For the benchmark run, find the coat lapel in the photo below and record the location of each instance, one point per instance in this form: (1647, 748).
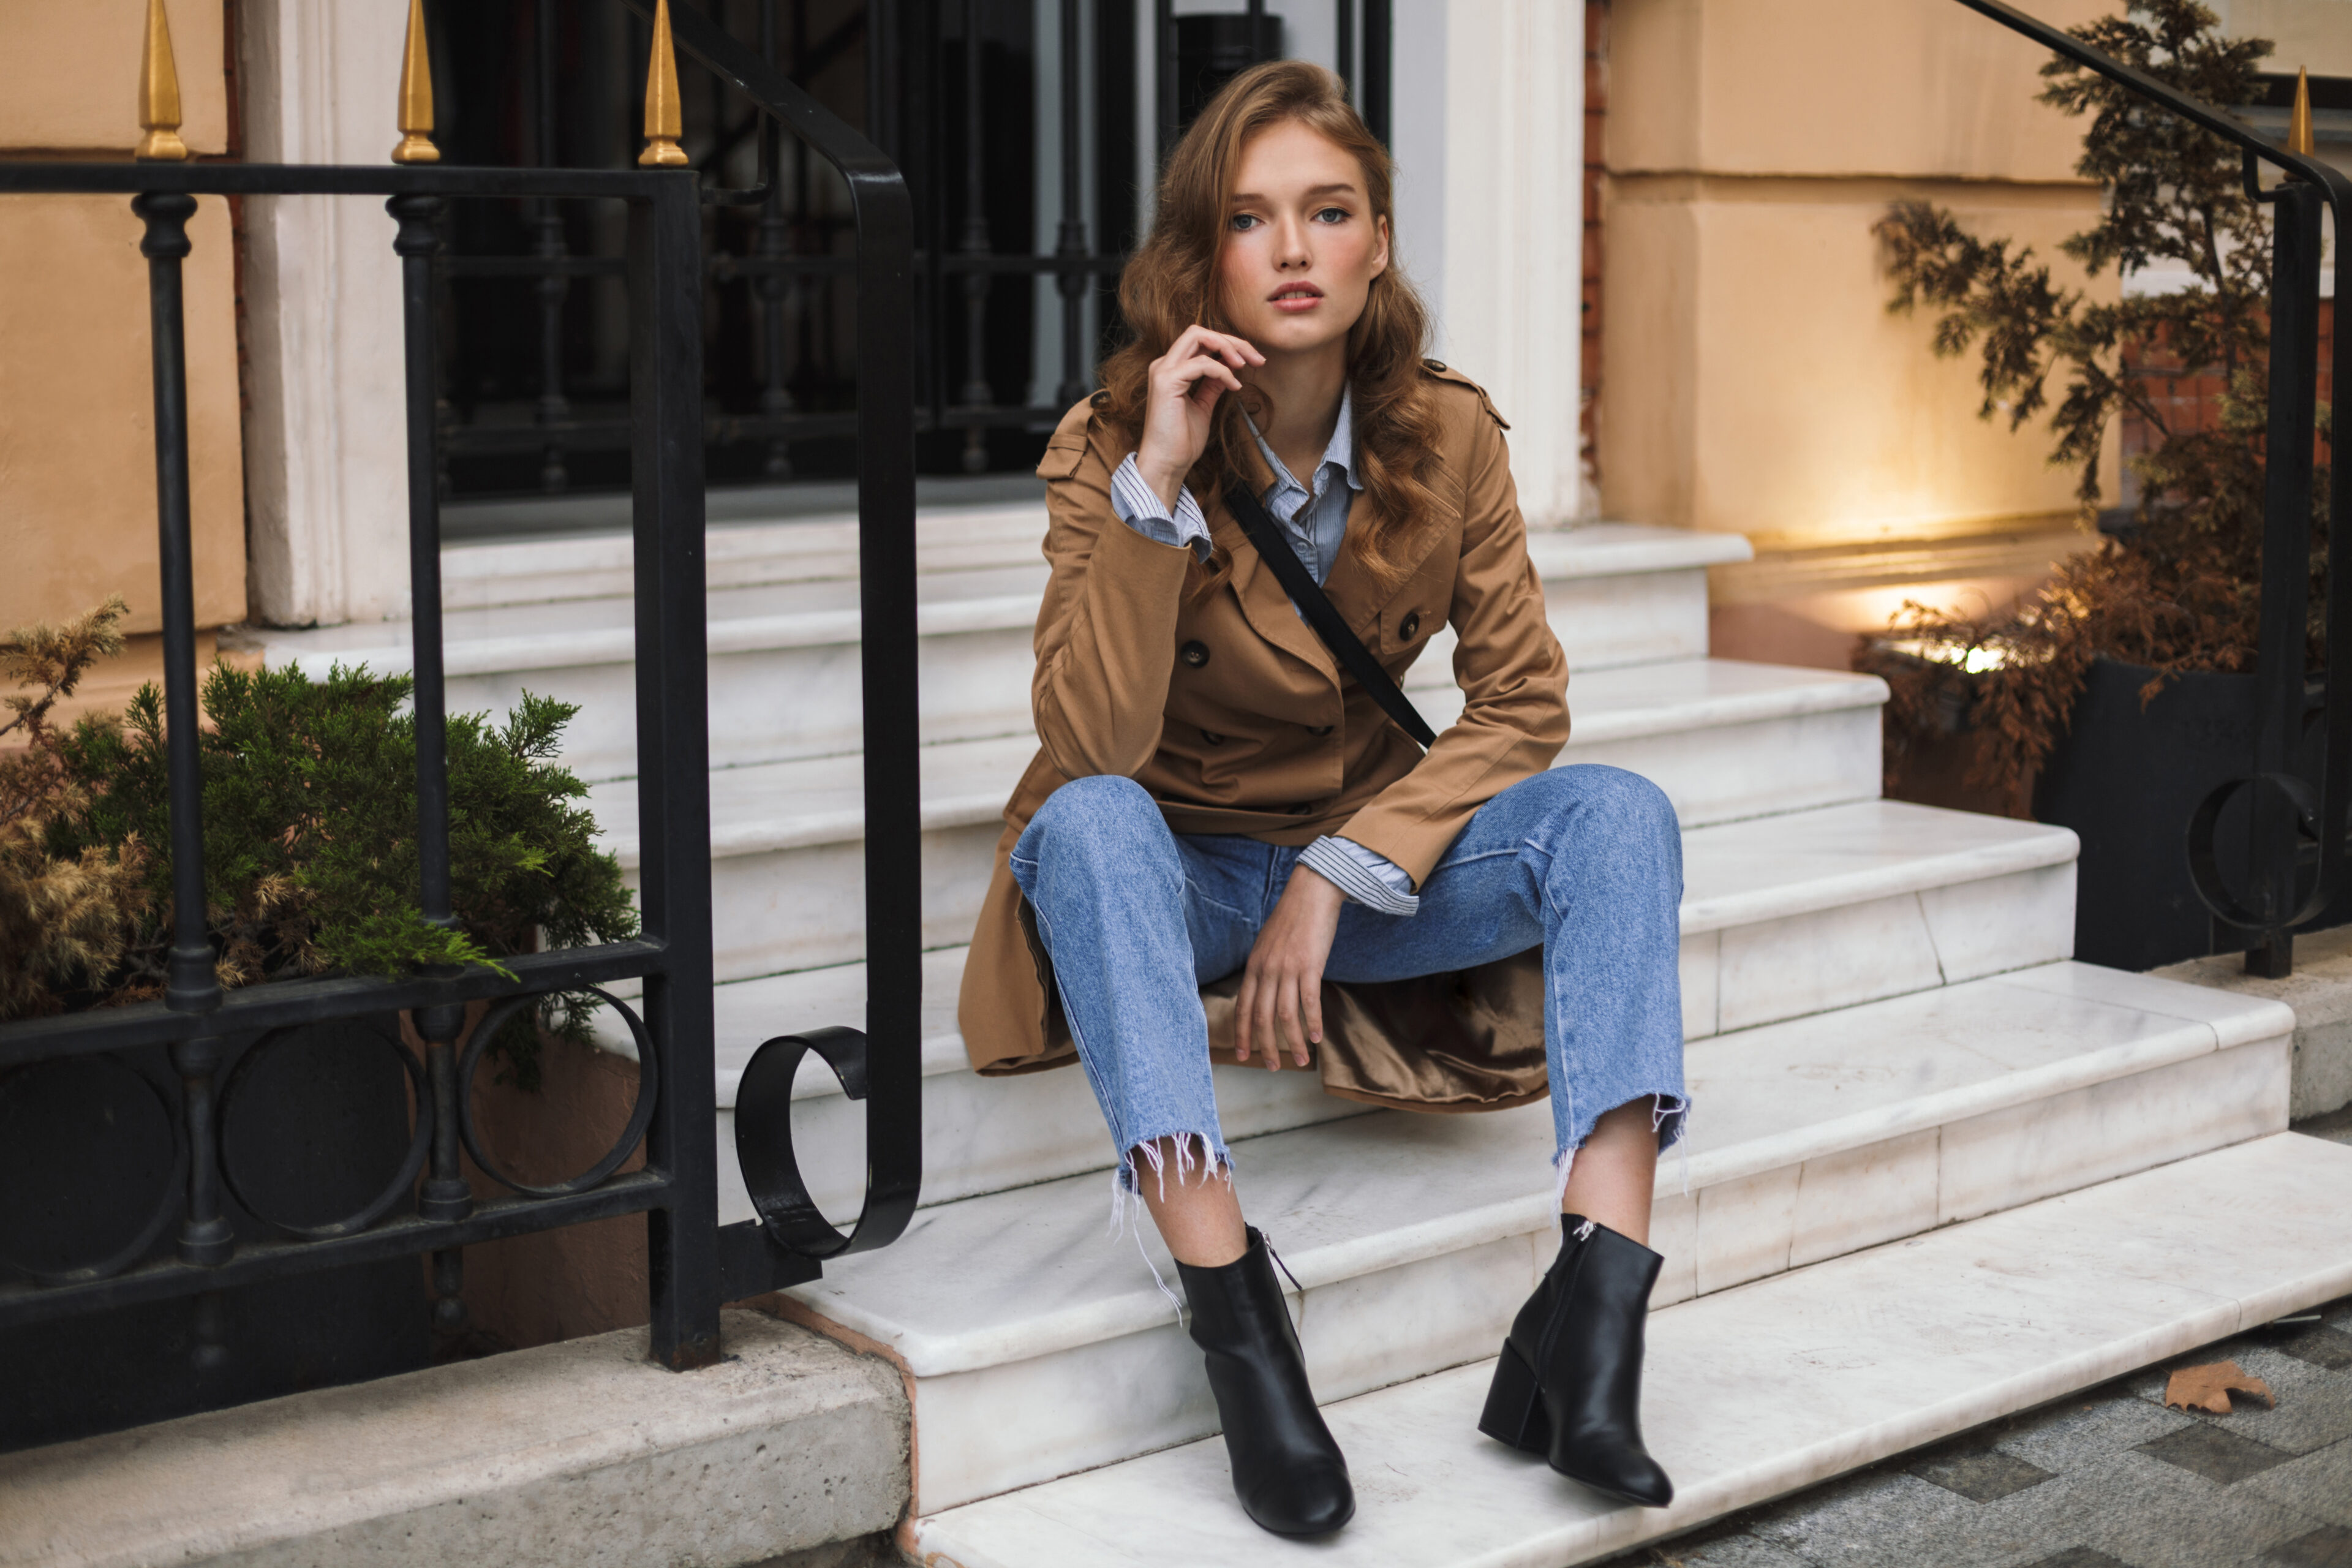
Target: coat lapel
(1264, 604)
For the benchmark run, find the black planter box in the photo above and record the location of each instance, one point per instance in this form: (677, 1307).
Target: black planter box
(313, 1132)
(2126, 780)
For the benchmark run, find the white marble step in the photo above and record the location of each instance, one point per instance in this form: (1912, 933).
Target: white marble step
(1416, 1236)
(1755, 1393)
(784, 627)
(1724, 740)
(1781, 917)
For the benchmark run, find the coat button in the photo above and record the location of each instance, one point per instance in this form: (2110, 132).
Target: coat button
(1319, 729)
(1304, 808)
(1411, 625)
(1195, 654)
(1213, 737)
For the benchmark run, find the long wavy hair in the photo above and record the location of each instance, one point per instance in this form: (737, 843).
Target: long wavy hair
(1172, 283)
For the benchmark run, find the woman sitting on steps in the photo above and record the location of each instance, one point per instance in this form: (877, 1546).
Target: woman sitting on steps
(1226, 848)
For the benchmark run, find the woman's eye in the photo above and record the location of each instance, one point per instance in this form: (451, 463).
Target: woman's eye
(1243, 222)
(1332, 214)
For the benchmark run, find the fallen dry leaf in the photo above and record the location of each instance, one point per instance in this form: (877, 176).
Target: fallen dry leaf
(2208, 1387)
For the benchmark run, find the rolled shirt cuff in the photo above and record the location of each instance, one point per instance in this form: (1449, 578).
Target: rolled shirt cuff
(1139, 507)
(1372, 880)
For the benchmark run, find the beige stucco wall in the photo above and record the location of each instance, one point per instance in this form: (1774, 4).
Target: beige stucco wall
(2315, 35)
(1753, 380)
(70, 74)
(77, 425)
(77, 415)
(1756, 384)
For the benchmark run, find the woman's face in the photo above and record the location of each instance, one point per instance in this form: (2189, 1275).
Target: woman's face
(1301, 245)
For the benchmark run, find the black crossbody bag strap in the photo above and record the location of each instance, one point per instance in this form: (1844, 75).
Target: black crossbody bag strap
(1353, 655)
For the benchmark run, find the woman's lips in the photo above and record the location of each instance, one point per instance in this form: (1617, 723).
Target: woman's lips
(1297, 301)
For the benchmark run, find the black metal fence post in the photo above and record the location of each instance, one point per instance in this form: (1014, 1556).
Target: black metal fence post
(976, 392)
(190, 985)
(673, 745)
(1379, 82)
(771, 245)
(2286, 568)
(1070, 240)
(446, 1194)
(547, 226)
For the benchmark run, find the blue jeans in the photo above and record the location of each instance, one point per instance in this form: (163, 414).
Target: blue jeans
(1584, 862)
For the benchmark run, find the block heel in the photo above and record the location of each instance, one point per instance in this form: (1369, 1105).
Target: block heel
(1515, 1408)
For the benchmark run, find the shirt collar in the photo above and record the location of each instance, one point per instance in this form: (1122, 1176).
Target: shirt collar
(1340, 449)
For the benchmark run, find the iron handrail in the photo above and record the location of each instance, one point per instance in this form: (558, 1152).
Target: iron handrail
(2284, 803)
(890, 1075)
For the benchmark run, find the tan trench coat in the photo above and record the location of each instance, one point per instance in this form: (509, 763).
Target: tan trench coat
(1227, 707)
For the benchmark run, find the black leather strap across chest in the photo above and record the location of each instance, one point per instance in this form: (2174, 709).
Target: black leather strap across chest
(1354, 658)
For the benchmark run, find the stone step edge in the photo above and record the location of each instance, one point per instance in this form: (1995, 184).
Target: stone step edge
(500, 1459)
(1142, 1308)
(2171, 1200)
(1603, 549)
(966, 808)
(493, 655)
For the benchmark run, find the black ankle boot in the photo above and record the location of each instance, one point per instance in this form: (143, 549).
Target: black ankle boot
(1288, 1472)
(1568, 1385)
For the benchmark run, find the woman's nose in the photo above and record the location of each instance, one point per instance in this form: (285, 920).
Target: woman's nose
(1291, 250)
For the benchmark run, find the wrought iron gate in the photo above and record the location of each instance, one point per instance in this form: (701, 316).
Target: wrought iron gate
(187, 1247)
(1029, 133)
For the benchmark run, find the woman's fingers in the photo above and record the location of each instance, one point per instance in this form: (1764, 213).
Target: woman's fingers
(1291, 1008)
(1253, 1028)
(1242, 1017)
(1194, 340)
(1188, 375)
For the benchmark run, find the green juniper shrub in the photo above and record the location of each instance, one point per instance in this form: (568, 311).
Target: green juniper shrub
(61, 916)
(310, 860)
(2180, 588)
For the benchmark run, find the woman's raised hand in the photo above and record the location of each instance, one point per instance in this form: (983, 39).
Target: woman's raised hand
(1185, 384)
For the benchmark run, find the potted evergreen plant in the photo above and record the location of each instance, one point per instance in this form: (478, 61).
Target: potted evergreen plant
(2118, 696)
(309, 807)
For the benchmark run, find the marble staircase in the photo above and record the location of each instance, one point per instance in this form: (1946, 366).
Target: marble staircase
(1904, 1087)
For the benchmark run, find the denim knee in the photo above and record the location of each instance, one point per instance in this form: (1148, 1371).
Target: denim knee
(1105, 819)
(1623, 807)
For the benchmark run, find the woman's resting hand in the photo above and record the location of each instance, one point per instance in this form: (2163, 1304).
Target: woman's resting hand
(1184, 385)
(1281, 1000)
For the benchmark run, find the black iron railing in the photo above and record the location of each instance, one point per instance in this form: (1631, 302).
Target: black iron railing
(211, 1034)
(2295, 865)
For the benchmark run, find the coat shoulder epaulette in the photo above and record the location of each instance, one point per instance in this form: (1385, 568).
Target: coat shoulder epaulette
(1438, 369)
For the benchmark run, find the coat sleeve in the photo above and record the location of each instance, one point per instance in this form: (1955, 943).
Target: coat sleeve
(1513, 674)
(1106, 631)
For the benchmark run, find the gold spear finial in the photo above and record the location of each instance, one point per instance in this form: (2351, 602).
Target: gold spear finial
(664, 124)
(2298, 127)
(159, 93)
(415, 95)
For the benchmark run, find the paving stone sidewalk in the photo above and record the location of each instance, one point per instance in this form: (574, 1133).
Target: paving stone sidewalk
(2107, 1478)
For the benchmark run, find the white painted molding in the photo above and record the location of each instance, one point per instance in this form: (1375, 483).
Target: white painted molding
(1513, 281)
(325, 449)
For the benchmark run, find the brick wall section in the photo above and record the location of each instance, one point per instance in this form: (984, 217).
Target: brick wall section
(1596, 124)
(2192, 399)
